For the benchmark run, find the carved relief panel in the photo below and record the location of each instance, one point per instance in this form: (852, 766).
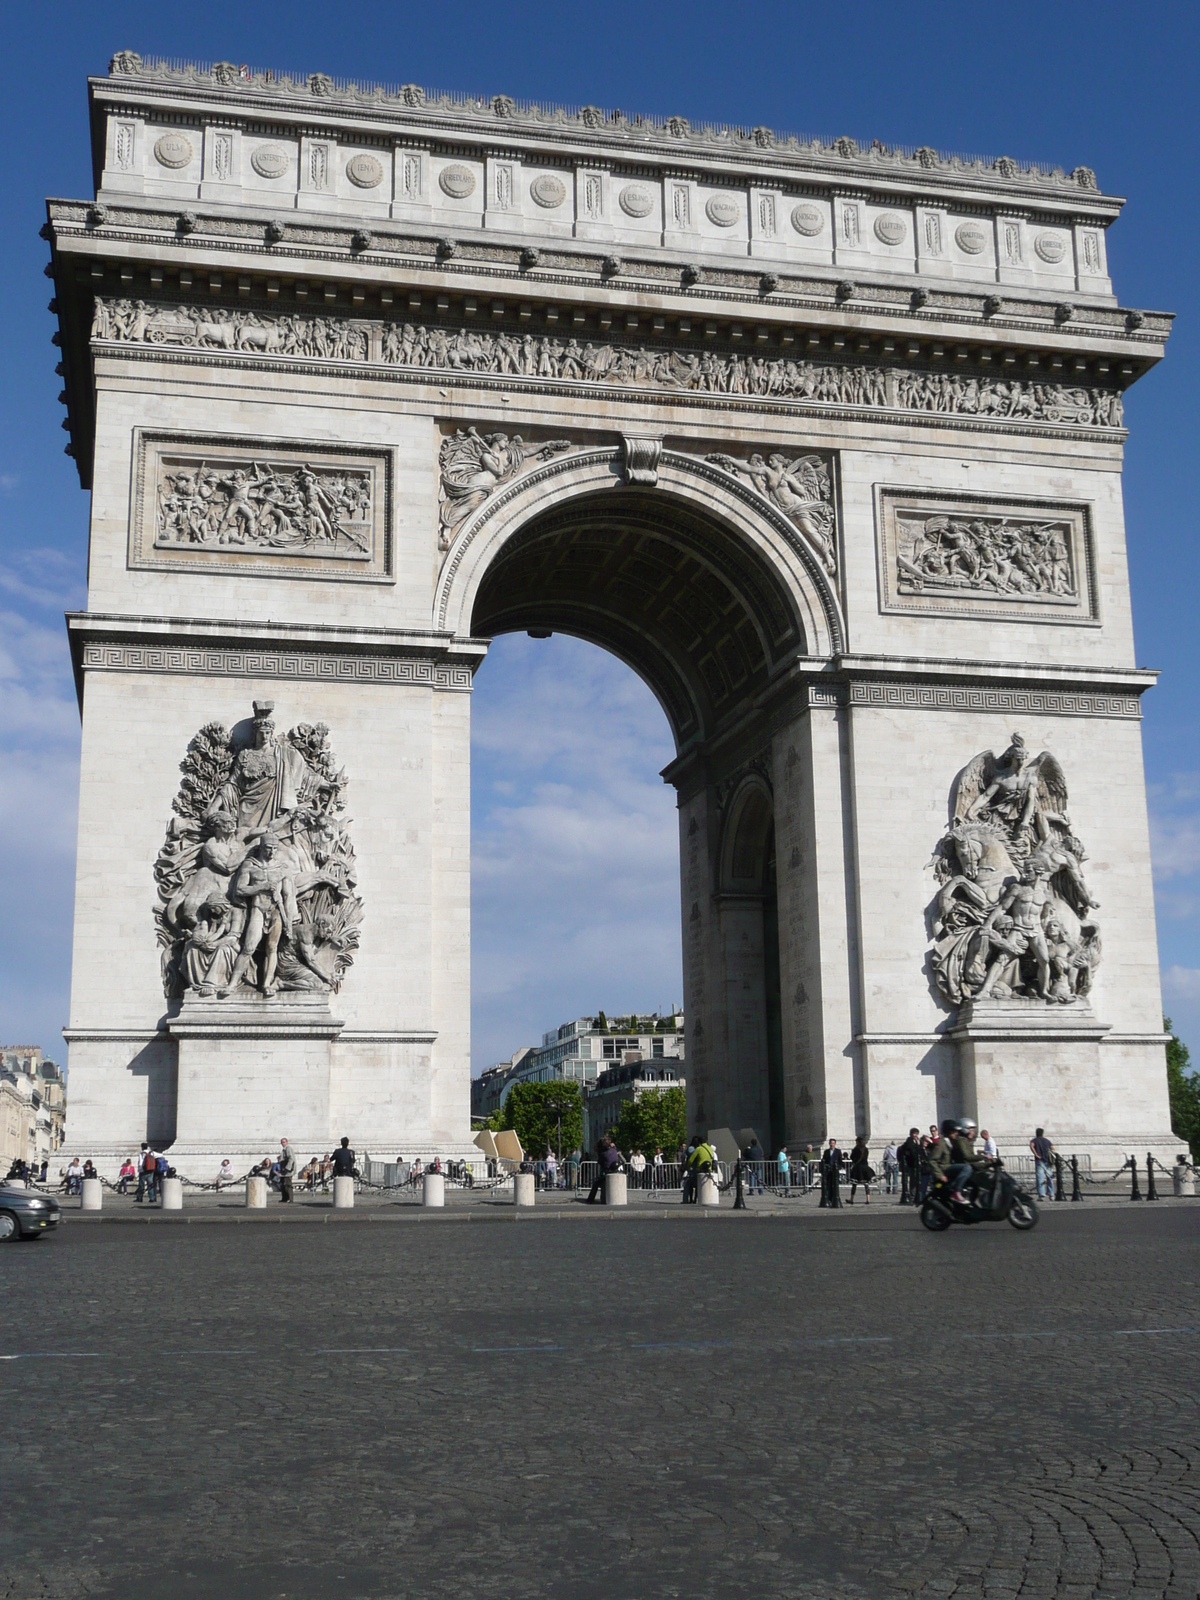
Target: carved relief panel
(268, 508)
(966, 555)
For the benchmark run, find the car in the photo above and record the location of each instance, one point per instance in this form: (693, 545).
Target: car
(26, 1213)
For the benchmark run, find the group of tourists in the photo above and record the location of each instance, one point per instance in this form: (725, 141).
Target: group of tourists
(27, 1172)
(147, 1170)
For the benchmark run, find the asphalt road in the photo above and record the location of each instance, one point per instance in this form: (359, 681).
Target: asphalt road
(604, 1405)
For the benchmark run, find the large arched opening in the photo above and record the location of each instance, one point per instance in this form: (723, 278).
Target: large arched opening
(709, 602)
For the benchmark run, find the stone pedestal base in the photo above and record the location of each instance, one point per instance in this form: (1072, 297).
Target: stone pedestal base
(256, 1193)
(433, 1189)
(523, 1189)
(1025, 1065)
(614, 1190)
(92, 1195)
(343, 1194)
(1182, 1181)
(260, 1067)
(708, 1194)
(172, 1194)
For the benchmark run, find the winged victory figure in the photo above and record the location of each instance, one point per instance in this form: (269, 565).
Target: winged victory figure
(473, 465)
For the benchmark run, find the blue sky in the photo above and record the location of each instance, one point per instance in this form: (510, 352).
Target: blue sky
(574, 834)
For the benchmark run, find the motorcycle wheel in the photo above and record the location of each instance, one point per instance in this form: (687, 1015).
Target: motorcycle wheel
(934, 1218)
(1022, 1213)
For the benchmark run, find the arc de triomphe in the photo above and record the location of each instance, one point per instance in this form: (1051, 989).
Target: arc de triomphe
(824, 441)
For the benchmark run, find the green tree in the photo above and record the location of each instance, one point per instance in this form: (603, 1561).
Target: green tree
(545, 1116)
(656, 1118)
(601, 1022)
(1184, 1089)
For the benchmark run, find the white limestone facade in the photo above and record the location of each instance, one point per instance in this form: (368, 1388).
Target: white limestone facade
(358, 380)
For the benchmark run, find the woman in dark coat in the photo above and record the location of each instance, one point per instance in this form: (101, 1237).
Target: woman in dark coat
(861, 1170)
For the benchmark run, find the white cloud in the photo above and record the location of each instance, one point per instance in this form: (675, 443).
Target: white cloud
(1174, 846)
(1181, 983)
(575, 872)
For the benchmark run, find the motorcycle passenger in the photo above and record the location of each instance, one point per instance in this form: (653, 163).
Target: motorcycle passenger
(965, 1164)
(937, 1154)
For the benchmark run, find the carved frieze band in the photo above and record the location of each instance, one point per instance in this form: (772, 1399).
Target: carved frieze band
(527, 360)
(295, 664)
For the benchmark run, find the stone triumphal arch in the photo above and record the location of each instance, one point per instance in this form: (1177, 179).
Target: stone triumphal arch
(824, 442)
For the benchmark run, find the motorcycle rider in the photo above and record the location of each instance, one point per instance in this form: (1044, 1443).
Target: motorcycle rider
(966, 1164)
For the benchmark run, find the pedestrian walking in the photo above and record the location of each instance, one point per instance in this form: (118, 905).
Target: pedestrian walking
(343, 1161)
(1043, 1155)
(287, 1172)
(147, 1173)
(658, 1164)
(551, 1170)
(784, 1167)
(637, 1165)
(753, 1160)
(608, 1159)
(831, 1174)
(891, 1167)
(861, 1170)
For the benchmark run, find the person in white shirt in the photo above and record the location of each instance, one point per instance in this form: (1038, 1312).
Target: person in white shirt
(637, 1165)
(225, 1176)
(989, 1145)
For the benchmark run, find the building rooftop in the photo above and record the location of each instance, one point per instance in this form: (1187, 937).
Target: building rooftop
(835, 156)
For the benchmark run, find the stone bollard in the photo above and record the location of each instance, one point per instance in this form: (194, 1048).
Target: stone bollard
(256, 1193)
(433, 1189)
(709, 1194)
(172, 1194)
(343, 1194)
(615, 1190)
(1182, 1179)
(91, 1195)
(523, 1188)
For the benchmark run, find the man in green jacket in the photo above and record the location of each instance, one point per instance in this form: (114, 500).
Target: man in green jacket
(966, 1165)
(287, 1171)
(702, 1159)
(938, 1155)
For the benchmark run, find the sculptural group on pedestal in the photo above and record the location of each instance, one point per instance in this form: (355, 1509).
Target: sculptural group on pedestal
(256, 879)
(1013, 917)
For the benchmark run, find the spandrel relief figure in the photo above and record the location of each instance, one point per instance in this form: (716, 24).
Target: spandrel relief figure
(473, 465)
(797, 486)
(256, 879)
(1013, 915)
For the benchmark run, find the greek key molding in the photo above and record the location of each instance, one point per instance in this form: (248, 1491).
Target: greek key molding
(964, 697)
(403, 671)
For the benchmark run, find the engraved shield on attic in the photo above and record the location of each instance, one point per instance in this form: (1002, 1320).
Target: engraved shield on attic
(267, 508)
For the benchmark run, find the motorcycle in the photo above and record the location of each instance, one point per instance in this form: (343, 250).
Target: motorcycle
(1004, 1200)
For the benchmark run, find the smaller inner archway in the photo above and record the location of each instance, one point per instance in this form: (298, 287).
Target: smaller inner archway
(748, 914)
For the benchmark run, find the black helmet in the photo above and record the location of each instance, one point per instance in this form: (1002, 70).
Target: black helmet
(950, 1126)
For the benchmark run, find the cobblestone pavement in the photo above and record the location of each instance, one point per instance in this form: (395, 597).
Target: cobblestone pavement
(621, 1405)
